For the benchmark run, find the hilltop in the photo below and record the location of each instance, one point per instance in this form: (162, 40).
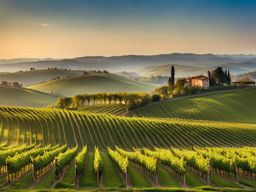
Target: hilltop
(11, 96)
(92, 83)
(32, 77)
(142, 64)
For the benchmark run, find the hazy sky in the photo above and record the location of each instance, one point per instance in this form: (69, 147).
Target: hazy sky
(70, 28)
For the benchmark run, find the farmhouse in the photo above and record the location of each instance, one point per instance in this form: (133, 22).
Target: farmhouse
(199, 81)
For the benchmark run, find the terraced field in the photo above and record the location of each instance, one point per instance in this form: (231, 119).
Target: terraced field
(235, 106)
(115, 109)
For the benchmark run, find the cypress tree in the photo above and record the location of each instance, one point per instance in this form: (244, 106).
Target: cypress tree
(173, 75)
(210, 78)
(229, 78)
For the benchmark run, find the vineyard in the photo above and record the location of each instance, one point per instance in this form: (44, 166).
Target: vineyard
(53, 126)
(198, 168)
(115, 109)
(235, 106)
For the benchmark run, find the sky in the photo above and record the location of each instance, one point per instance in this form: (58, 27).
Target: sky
(71, 28)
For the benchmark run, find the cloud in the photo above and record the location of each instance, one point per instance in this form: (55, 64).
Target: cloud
(44, 24)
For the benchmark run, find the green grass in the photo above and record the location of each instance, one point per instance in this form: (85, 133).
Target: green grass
(93, 83)
(166, 179)
(21, 183)
(38, 76)
(10, 96)
(137, 178)
(88, 179)
(223, 182)
(111, 177)
(70, 175)
(46, 181)
(193, 180)
(234, 106)
(247, 182)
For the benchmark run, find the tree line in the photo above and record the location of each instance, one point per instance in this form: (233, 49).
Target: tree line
(219, 77)
(131, 100)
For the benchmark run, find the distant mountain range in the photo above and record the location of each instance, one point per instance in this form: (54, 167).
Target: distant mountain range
(187, 64)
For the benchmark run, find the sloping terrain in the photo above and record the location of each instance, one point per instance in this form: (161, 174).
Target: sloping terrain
(10, 96)
(115, 109)
(52, 126)
(234, 106)
(37, 76)
(92, 83)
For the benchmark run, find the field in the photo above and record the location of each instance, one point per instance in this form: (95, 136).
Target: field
(92, 83)
(53, 126)
(117, 169)
(234, 106)
(115, 109)
(192, 163)
(10, 96)
(38, 76)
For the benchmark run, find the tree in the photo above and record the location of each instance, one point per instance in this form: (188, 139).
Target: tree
(210, 78)
(180, 83)
(171, 79)
(16, 84)
(173, 75)
(4, 83)
(156, 97)
(60, 103)
(67, 102)
(162, 91)
(78, 101)
(229, 78)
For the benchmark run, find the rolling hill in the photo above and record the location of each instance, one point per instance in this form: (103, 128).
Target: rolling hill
(92, 83)
(10, 96)
(235, 106)
(38, 76)
(114, 109)
(137, 63)
(53, 126)
(251, 75)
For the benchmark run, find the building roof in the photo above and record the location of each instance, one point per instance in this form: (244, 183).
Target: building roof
(200, 77)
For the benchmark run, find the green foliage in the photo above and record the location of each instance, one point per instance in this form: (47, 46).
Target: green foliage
(97, 162)
(44, 160)
(79, 161)
(17, 162)
(214, 120)
(167, 158)
(4, 154)
(121, 161)
(63, 159)
(234, 106)
(149, 163)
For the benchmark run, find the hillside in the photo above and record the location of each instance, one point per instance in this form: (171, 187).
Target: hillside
(115, 109)
(251, 75)
(92, 83)
(10, 96)
(236, 106)
(138, 63)
(52, 126)
(37, 76)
